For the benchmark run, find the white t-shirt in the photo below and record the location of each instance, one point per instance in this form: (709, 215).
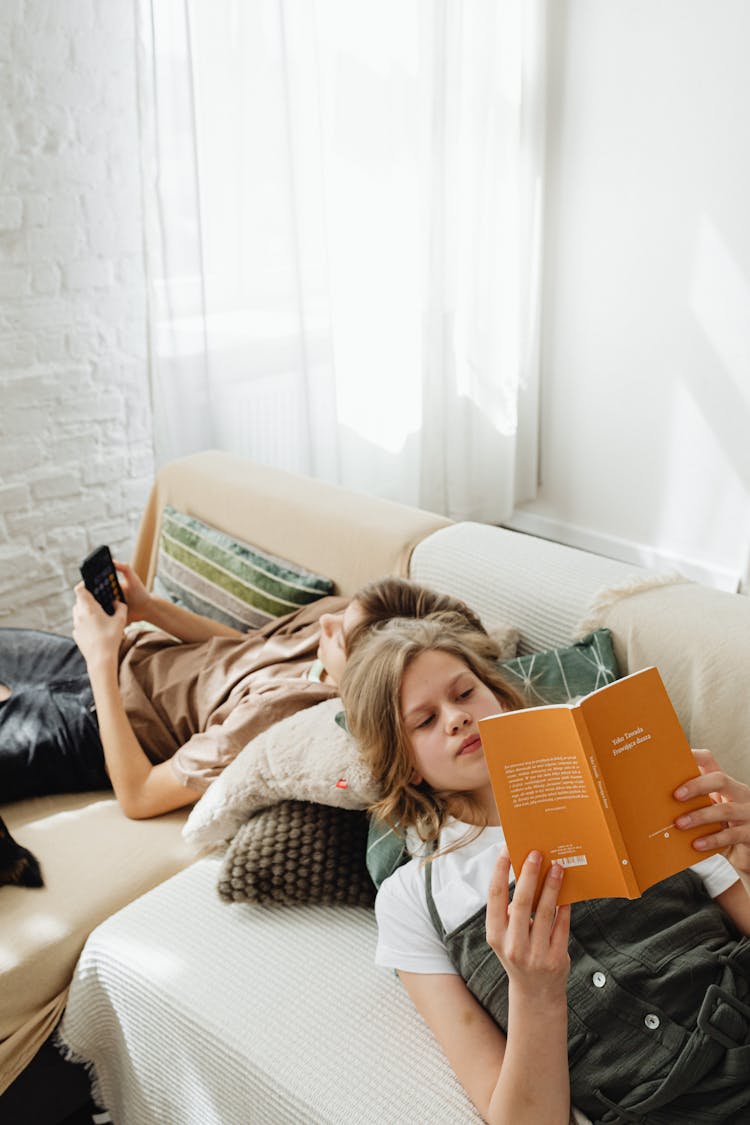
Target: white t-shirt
(407, 938)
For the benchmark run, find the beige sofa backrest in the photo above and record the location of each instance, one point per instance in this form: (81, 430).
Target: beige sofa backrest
(343, 535)
(541, 588)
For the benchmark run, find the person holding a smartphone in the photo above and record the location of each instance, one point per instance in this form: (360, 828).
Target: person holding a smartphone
(159, 712)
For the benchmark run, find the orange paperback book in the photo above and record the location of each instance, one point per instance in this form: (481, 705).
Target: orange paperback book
(590, 785)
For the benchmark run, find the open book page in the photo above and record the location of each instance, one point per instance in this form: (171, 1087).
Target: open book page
(548, 799)
(643, 756)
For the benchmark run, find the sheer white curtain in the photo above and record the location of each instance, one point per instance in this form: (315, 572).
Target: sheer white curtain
(342, 204)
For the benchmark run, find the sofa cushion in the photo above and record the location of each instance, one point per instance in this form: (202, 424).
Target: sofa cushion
(298, 852)
(216, 575)
(555, 676)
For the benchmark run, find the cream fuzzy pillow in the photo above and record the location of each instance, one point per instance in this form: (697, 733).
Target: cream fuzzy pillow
(305, 757)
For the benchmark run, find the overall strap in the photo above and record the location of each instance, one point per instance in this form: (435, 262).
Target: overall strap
(436, 919)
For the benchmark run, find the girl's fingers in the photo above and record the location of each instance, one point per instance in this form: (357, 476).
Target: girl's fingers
(497, 899)
(513, 923)
(728, 812)
(712, 780)
(729, 804)
(715, 782)
(523, 897)
(547, 904)
(724, 839)
(500, 878)
(705, 760)
(526, 883)
(560, 930)
(544, 915)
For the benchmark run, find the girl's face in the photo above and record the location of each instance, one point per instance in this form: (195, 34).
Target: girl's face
(441, 701)
(334, 629)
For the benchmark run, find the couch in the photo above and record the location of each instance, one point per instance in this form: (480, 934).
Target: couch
(187, 1008)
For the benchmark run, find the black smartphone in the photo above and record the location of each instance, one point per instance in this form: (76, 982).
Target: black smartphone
(100, 579)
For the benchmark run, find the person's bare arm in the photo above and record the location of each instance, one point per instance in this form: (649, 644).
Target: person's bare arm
(470, 1039)
(173, 619)
(142, 789)
(502, 1076)
(533, 949)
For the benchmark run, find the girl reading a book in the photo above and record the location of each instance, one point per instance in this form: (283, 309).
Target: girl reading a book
(634, 1011)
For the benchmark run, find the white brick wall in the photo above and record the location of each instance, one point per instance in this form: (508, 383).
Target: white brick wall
(75, 431)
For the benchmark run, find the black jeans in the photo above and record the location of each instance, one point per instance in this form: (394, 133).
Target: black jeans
(49, 736)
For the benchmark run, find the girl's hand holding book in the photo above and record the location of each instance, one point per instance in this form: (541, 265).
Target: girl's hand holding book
(532, 948)
(733, 799)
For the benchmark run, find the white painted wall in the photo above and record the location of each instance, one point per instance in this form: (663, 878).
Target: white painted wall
(75, 428)
(645, 430)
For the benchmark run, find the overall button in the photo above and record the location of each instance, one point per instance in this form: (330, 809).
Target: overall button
(599, 980)
(651, 1021)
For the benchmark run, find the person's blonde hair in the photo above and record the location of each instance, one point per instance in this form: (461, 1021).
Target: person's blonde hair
(390, 597)
(371, 694)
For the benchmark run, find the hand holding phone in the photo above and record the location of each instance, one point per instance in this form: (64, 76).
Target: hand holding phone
(100, 579)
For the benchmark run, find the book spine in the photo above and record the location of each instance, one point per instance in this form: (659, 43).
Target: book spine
(630, 883)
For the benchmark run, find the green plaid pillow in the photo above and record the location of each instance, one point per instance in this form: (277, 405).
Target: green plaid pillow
(213, 574)
(556, 676)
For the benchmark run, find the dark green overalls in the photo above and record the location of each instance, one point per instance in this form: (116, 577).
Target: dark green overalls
(658, 1004)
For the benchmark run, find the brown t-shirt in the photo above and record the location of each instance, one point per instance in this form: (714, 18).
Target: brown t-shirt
(199, 704)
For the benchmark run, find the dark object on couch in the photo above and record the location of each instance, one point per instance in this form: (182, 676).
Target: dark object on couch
(299, 852)
(17, 865)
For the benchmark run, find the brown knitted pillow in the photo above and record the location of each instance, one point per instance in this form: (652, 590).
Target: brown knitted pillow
(299, 852)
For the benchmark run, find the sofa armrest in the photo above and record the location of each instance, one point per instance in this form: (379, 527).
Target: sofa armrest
(699, 639)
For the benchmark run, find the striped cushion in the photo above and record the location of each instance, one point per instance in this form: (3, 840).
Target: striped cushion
(211, 573)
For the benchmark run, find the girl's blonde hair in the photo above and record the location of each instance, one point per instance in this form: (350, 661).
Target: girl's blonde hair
(371, 694)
